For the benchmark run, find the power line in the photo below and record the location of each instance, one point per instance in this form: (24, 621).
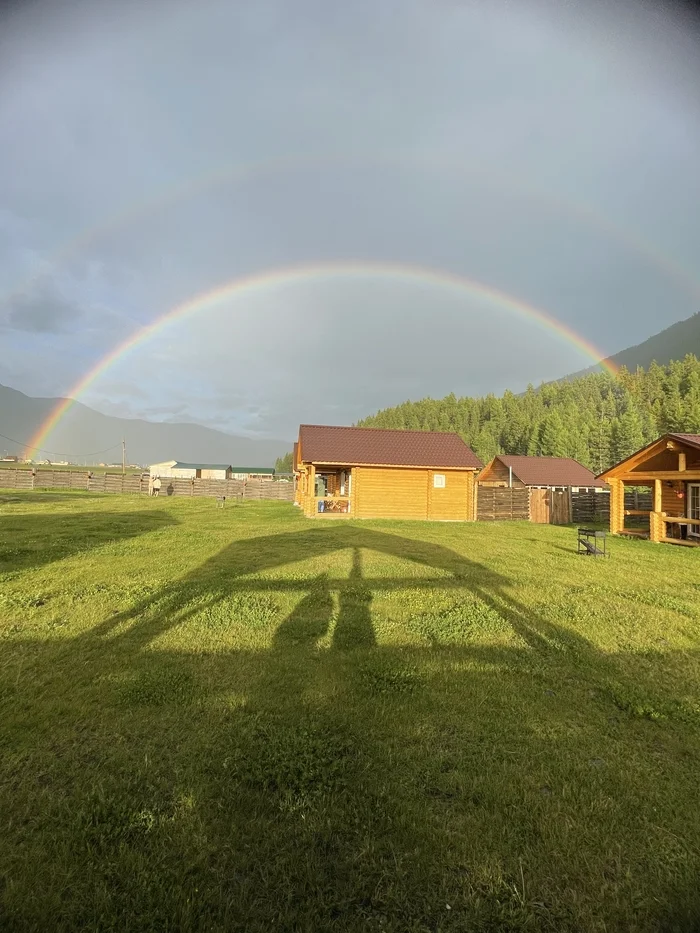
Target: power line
(54, 453)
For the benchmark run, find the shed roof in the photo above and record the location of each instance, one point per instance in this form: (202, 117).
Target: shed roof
(178, 465)
(550, 471)
(384, 447)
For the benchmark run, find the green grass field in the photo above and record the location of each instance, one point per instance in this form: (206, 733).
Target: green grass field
(239, 719)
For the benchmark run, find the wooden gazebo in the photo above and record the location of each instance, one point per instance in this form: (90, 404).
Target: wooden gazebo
(671, 467)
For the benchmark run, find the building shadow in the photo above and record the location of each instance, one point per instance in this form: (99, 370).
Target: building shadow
(332, 781)
(38, 496)
(310, 619)
(32, 539)
(354, 627)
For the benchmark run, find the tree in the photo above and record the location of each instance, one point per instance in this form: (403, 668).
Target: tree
(671, 417)
(485, 445)
(627, 435)
(553, 438)
(285, 464)
(600, 445)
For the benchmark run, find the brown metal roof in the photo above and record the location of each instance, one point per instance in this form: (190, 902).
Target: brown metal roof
(550, 471)
(381, 447)
(692, 439)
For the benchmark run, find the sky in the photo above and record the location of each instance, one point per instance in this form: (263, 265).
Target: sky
(154, 152)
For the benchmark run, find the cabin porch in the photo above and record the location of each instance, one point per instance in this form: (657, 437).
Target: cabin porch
(327, 492)
(675, 514)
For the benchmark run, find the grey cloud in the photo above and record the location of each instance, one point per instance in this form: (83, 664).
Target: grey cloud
(41, 313)
(545, 149)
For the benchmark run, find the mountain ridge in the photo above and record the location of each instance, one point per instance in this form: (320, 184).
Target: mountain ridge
(83, 431)
(671, 343)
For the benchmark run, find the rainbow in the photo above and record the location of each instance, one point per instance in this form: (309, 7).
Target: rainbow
(290, 275)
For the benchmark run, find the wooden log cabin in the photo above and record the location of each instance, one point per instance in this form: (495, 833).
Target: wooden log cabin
(549, 481)
(671, 467)
(376, 473)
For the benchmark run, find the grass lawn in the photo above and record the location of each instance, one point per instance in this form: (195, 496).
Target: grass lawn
(240, 719)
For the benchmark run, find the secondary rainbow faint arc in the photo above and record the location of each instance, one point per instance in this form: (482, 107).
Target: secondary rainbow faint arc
(290, 275)
(246, 170)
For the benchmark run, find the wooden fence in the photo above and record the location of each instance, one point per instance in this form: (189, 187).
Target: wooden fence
(498, 504)
(137, 484)
(504, 504)
(592, 507)
(595, 506)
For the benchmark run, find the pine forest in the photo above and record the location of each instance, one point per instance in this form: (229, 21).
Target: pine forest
(598, 419)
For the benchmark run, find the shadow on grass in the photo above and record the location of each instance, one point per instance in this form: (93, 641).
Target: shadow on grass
(40, 496)
(455, 786)
(33, 539)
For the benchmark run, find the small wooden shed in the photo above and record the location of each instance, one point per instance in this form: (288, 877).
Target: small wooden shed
(671, 467)
(549, 481)
(377, 473)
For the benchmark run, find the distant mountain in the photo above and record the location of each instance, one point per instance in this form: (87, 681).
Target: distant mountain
(671, 344)
(82, 431)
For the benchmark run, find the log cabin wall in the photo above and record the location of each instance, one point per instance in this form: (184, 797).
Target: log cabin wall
(407, 493)
(671, 503)
(384, 492)
(454, 501)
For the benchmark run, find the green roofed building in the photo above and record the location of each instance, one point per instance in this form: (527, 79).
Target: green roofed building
(176, 469)
(239, 472)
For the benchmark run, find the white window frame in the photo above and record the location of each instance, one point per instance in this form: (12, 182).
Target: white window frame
(439, 481)
(693, 530)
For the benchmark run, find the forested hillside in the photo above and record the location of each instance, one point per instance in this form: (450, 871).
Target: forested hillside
(598, 419)
(671, 344)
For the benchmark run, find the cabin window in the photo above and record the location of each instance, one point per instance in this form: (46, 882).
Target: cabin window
(438, 480)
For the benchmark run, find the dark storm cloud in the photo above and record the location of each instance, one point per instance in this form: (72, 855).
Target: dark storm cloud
(41, 313)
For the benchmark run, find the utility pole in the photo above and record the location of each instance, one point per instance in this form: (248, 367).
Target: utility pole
(123, 456)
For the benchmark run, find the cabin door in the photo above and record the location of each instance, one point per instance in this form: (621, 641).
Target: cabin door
(540, 510)
(694, 508)
(560, 510)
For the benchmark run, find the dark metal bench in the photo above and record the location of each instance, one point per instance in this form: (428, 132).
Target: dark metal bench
(592, 542)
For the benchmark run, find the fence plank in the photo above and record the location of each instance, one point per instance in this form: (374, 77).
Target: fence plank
(496, 503)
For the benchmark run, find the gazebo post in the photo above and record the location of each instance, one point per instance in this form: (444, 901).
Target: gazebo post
(656, 522)
(311, 492)
(617, 506)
